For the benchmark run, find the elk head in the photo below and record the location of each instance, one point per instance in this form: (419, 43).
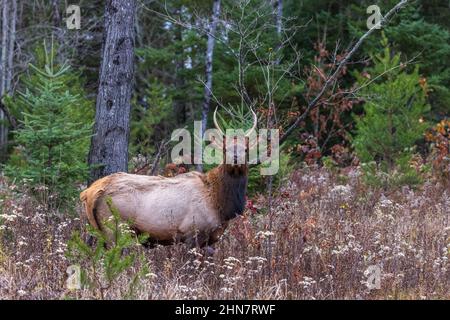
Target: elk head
(229, 180)
(235, 148)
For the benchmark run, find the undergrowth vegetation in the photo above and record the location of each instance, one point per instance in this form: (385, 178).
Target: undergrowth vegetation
(328, 228)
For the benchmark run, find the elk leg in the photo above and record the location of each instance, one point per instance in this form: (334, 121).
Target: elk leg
(196, 240)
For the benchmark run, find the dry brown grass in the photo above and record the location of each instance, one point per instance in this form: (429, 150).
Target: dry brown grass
(316, 244)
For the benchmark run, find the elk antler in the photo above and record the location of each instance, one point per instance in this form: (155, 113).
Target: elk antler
(255, 123)
(217, 124)
(247, 133)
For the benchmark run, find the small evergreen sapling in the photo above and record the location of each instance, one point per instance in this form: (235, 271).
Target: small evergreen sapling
(393, 121)
(113, 254)
(54, 131)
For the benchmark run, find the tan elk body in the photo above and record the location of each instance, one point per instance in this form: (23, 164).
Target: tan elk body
(193, 207)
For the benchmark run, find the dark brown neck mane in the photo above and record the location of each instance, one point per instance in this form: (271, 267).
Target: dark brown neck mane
(228, 186)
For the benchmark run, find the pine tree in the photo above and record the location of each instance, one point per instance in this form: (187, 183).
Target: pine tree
(53, 136)
(113, 254)
(395, 104)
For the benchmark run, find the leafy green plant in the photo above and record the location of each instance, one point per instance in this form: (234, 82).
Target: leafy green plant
(112, 255)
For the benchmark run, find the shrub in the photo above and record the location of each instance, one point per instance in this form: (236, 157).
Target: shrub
(395, 104)
(52, 140)
(111, 256)
(439, 139)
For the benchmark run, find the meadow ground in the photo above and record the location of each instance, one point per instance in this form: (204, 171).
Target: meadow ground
(319, 241)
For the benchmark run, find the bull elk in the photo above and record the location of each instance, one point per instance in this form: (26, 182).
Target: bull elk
(193, 207)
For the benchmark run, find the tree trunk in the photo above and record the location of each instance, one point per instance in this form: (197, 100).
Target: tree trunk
(209, 67)
(12, 40)
(109, 145)
(4, 51)
(56, 15)
(8, 27)
(279, 19)
(58, 30)
(179, 105)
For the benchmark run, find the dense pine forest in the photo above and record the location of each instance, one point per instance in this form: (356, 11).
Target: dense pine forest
(354, 95)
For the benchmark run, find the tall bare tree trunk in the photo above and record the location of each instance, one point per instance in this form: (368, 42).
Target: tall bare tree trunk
(209, 67)
(3, 71)
(279, 20)
(179, 101)
(58, 30)
(8, 26)
(56, 15)
(109, 146)
(12, 40)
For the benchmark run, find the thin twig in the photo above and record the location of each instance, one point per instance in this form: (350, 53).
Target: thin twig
(344, 62)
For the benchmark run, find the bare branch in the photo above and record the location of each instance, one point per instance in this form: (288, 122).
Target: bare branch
(344, 62)
(161, 149)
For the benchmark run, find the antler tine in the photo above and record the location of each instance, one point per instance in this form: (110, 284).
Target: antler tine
(255, 123)
(216, 124)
